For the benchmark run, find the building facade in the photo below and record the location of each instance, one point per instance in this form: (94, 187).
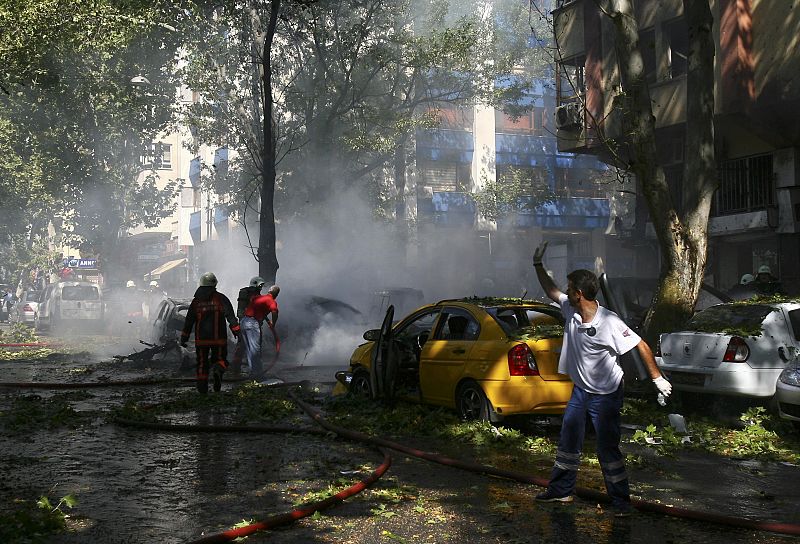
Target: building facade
(755, 217)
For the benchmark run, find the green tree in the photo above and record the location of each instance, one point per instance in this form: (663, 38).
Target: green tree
(72, 117)
(355, 79)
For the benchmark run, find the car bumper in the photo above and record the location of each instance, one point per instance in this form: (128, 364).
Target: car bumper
(788, 397)
(527, 395)
(734, 379)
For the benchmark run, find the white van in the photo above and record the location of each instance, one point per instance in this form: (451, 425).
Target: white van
(69, 303)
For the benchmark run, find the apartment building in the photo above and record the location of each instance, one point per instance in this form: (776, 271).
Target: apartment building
(478, 145)
(755, 218)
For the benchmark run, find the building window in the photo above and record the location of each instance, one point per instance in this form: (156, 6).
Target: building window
(745, 185)
(531, 122)
(158, 156)
(446, 176)
(578, 183)
(190, 197)
(571, 83)
(449, 116)
(676, 35)
(647, 46)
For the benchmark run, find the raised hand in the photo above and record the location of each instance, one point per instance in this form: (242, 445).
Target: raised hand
(538, 253)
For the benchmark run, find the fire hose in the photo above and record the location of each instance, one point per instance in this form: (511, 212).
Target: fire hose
(584, 493)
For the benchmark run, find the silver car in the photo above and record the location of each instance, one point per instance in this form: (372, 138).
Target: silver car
(26, 309)
(732, 349)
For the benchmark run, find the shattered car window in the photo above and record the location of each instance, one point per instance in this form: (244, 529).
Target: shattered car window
(515, 320)
(740, 319)
(79, 292)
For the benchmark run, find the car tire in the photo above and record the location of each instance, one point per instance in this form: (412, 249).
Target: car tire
(360, 385)
(471, 402)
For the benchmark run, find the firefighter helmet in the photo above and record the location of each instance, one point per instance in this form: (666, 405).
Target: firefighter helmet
(257, 281)
(208, 280)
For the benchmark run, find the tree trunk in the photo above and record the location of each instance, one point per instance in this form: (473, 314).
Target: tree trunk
(682, 240)
(267, 257)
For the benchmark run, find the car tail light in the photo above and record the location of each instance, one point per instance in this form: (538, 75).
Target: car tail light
(737, 351)
(27, 308)
(521, 361)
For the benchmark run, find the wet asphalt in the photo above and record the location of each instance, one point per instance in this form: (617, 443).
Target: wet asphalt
(134, 485)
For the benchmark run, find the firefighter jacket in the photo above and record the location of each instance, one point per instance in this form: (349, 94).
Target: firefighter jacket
(207, 315)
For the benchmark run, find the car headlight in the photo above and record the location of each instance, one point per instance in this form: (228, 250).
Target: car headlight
(791, 375)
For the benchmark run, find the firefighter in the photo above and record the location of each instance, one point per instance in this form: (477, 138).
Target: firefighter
(254, 315)
(246, 294)
(207, 314)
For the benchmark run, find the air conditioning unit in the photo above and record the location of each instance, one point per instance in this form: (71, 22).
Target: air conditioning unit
(569, 116)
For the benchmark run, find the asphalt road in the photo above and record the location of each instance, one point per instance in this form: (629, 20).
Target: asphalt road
(144, 486)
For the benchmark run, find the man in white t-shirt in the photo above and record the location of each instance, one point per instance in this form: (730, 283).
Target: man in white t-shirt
(594, 339)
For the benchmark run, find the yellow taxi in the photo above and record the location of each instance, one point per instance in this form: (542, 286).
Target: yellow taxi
(485, 357)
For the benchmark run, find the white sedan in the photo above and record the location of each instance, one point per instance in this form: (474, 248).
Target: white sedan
(735, 349)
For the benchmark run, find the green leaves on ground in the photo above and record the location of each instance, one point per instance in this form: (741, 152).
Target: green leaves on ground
(30, 522)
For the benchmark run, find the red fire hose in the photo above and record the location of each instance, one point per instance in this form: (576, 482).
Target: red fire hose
(280, 519)
(584, 493)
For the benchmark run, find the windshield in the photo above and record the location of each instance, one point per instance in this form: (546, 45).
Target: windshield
(79, 292)
(741, 319)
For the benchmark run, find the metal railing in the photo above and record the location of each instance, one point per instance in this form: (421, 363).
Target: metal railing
(745, 185)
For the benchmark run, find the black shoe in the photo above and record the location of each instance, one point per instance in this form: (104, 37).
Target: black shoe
(549, 496)
(623, 510)
(202, 387)
(216, 373)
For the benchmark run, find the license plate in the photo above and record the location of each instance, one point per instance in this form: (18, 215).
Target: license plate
(687, 378)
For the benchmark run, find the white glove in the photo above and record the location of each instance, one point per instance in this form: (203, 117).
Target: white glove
(664, 387)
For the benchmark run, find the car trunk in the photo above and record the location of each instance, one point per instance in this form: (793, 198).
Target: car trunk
(701, 350)
(546, 352)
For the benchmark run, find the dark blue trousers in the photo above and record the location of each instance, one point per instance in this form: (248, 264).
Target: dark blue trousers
(604, 410)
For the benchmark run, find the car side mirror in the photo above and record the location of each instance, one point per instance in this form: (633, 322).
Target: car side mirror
(423, 337)
(372, 335)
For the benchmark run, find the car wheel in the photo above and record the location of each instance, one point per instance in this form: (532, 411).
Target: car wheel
(471, 402)
(359, 385)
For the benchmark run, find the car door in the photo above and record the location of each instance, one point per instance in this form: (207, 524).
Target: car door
(446, 353)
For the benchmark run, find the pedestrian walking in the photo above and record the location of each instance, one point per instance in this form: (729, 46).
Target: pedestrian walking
(254, 315)
(594, 339)
(207, 314)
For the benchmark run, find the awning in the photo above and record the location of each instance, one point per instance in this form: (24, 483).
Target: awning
(166, 267)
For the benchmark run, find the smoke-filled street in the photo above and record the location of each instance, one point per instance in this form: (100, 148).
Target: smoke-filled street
(379, 271)
(138, 484)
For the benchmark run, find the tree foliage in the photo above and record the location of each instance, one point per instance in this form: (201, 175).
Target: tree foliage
(72, 127)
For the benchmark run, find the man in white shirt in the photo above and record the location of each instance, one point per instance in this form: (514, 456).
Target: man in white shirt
(594, 339)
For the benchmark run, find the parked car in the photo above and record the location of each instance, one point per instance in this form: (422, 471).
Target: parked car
(70, 303)
(630, 298)
(735, 349)
(787, 392)
(26, 308)
(486, 358)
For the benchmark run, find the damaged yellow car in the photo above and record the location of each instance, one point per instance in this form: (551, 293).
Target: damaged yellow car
(485, 357)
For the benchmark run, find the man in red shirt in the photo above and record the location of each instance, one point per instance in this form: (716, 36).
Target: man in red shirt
(254, 316)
